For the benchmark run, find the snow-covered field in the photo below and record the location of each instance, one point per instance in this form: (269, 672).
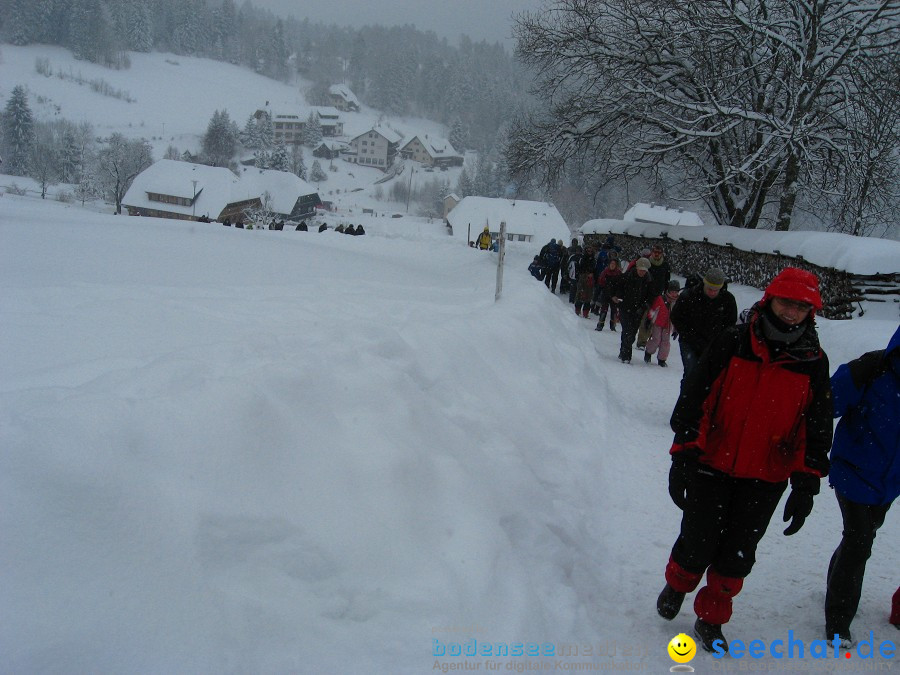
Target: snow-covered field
(228, 451)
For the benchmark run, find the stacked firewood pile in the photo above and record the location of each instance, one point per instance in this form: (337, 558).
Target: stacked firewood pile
(842, 292)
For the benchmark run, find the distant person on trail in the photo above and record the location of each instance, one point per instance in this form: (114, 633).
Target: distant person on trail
(865, 475)
(565, 282)
(483, 242)
(753, 414)
(606, 284)
(551, 256)
(323, 227)
(584, 281)
(632, 292)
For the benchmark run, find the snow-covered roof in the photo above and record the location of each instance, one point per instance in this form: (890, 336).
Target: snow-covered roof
(284, 187)
(170, 177)
(436, 146)
(216, 187)
(388, 133)
(856, 255)
(327, 112)
(540, 220)
(662, 215)
(344, 92)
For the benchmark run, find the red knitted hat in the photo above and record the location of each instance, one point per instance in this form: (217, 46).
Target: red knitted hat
(795, 284)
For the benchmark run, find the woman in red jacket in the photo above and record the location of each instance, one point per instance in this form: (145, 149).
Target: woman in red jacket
(754, 413)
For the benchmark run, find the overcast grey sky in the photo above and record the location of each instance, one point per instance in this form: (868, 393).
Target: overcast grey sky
(479, 19)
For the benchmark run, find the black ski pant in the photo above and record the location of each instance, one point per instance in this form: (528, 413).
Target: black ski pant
(723, 522)
(848, 563)
(631, 320)
(552, 278)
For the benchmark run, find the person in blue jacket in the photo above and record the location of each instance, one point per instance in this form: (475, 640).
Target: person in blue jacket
(865, 475)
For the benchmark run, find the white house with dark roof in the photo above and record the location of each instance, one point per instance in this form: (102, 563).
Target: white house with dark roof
(330, 120)
(343, 98)
(182, 190)
(527, 221)
(376, 147)
(430, 150)
(172, 189)
(662, 215)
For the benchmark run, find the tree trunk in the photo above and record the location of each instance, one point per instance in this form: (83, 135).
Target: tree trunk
(788, 193)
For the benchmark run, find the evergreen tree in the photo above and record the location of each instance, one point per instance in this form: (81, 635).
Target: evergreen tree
(279, 52)
(464, 186)
(250, 135)
(21, 22)
(221, 138)
(316, 174)
(266, 133)
(262, 159)
(458, 135)
(138, 27)
(18, 133)
(280, 159)
(298, 166)
(312, 131)
(69, 155)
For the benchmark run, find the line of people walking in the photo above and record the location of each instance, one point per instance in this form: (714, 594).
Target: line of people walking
(753, 417)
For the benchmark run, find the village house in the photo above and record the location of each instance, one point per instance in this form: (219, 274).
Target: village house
(430, 151)
(329, 149)
(330, 120)
(342, 98)
(288, 129)
(450, 202)
(182, 190)
(376, 147)
(526, 221)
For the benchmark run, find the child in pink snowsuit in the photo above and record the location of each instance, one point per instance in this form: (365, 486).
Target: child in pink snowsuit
(661, 324)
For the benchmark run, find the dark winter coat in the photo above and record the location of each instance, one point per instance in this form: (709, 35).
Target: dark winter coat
(661, 273)
(635, 291)
(865, 457)
(699, 318)
(606, 283)
(551, 255)
(758, 413)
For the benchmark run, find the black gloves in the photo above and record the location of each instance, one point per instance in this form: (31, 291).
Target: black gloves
(804, 486)
(684, 464)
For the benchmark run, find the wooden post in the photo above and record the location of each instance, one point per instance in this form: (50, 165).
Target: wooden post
(502, 255)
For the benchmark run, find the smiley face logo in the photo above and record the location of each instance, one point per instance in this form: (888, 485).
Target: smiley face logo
(682, 648)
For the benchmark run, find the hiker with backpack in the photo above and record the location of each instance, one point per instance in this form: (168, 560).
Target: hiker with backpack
(551, 256)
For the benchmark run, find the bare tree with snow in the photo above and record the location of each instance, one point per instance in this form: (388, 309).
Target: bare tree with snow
(740, 103)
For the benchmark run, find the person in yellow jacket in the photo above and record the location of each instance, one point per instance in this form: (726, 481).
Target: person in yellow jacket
(483, 243)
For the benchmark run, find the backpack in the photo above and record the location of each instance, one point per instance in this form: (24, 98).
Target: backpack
(551, 257)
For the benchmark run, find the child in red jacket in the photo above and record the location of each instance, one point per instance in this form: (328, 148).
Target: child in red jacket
(661, 324)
